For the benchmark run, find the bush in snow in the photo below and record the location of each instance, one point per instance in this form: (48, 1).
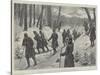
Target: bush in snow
(75, 34)
(19, 53)
(92, 58)
(77, 56)
(85, 59)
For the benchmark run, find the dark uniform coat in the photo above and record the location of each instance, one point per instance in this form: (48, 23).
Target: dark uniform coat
(54, 38)
(64, 35)
(43, 40)
(39, 41)
(69, 58)
(28, 43)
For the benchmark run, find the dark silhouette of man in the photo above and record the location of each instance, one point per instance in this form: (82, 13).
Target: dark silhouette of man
(64, 34)
(44, 42)
(92, 34)
(29, 52)
(39, 42)
(54, 38)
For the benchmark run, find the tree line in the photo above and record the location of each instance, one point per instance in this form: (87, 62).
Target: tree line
(28, 15)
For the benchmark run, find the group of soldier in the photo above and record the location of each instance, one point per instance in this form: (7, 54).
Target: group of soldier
(41, 41)
(42, 44)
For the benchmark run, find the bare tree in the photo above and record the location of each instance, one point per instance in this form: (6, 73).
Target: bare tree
(34, 13)
(59, 14)
(49, 15)
(25, 17)
(21, 15)
(17, 13)
(30, 15)
(88, 14)
(94, 15)
(58, 19)
(40, 17)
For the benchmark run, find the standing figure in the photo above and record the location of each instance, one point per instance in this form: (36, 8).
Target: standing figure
(74, 34)
(39, 41)
(29, 52)
(86, 27)
(69, 58)
(92, 34)
(68, 34)
(59, 26)
(54, 38)
(64, 34)
(44, 42)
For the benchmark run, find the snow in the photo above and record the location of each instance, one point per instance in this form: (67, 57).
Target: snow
(46, 60)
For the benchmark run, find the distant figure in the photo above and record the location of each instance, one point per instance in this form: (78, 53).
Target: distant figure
(29, 52)
(59, 27)
(64, 34)
(69, 58)
(44, 42)
(86, 27)
(54, 38)
(68, 34)
(39, 41)
(75, 34)
(92, 34)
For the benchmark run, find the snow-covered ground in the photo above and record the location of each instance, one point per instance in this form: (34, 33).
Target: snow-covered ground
(46, 60)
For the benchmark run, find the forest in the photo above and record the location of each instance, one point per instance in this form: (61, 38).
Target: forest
(36, 17)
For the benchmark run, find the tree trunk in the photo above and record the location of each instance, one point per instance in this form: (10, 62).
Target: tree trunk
(40, 18)
(49, 14)
(34, 13)
(25, 18)
(94, 15)
(58, 19)
(30, 14)
(21, 15)
(88, 14)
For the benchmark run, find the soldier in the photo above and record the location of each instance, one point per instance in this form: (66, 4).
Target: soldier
(29, 52)
(69, 58)
(39, 41)
(92, 34)
(68, 34)
(86, 27)
(54, 38)
(64, 34)
(44, 42)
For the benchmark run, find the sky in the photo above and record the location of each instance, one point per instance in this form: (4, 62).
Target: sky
(74, 12)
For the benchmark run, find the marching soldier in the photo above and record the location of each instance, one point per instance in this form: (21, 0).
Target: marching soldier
(54, 38)
(39, 41)
(44, 42)
(29, 52)
(68, 34)
(64, 34)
